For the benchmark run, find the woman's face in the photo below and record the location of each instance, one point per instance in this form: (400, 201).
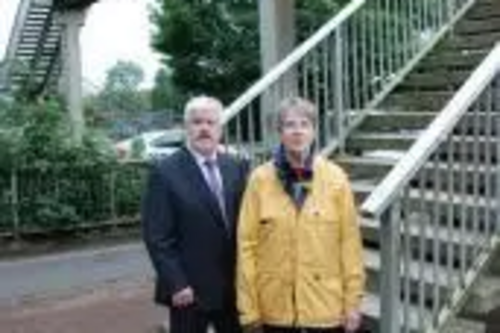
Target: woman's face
(296, 133)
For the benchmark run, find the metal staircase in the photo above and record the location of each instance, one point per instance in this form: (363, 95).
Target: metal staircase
(34, 54)
(417, 134)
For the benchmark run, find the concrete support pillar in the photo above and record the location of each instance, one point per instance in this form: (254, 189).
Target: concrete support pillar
(71, 79)
(277, 30)
(277, 39)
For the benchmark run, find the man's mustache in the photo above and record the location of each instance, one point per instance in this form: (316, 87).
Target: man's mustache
(204, 136)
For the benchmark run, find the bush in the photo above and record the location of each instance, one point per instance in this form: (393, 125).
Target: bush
(49, 181)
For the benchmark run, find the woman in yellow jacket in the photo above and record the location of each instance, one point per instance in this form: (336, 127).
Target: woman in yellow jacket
(300, 266)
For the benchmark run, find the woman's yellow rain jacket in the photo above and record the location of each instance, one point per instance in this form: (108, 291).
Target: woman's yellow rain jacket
(299, 267)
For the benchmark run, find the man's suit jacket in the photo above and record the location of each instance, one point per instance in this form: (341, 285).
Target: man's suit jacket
(188, 240)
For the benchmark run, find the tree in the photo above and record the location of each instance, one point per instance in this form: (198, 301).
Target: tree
(210, 45)
(121, 99)
(121, 94)
(213, 46)
(124, 75)
(164, 94)
(38, 133)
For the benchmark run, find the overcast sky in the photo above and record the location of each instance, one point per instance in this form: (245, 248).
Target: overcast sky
(114, 30)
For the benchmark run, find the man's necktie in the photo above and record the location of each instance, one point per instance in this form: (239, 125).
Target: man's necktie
(215, 185)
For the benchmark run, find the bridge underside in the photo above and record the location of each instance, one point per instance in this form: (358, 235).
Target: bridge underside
(73, 4)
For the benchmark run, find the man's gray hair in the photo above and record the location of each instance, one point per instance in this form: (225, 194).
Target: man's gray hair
(298, 105)
(202, 102)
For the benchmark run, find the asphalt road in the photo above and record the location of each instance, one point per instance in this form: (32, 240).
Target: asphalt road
(79, 270)
(103, 290)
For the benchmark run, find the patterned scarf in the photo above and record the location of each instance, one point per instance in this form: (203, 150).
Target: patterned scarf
(296, 182)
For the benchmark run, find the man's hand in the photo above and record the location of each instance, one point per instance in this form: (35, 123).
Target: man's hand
(183, 298)
(352, 321)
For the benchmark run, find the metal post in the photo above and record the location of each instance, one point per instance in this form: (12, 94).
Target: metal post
(339, 88)
(390, 305)
(450, 9)
(112, 196)
(14, 195)
(496, 230)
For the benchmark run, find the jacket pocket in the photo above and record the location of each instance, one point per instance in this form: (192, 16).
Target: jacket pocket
(324, 296)
(274, 295)
(269, 251)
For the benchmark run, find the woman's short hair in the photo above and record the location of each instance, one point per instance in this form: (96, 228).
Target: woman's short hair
(297, 105)
(200, 102)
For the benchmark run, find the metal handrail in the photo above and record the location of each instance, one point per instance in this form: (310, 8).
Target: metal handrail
(293, 58)
(383, 195)
(346, 68)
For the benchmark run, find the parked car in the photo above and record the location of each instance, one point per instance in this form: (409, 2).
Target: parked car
(150, 145)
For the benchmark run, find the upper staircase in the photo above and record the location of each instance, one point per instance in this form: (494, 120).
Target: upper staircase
(409, 100)
(34, 53)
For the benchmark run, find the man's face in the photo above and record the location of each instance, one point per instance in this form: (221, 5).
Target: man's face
(204, 130)
(297, 132)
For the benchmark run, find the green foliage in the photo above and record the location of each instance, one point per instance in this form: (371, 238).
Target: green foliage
(124, 76)
(121, 94)
(165, 94)
(47, 181)
(137, 148)
(213, 46)
(120, 101)
(311, 14)
(38, 134)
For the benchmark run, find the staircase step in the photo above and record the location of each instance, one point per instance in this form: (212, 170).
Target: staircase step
(35, 26)
(365, 167)
(483, 10)
(460, 325)
(441, 244)
(377, 164)
(452, 60)
(418, 275)
(30, 40)
(472, 26)
(428, 101)
(442, 79)
(38, 14)
(494, 264)
(380, 141)
(384, 121)
(484, 41)
(483, 298)
(371, 308)
(419, 231)
(363, 187)
(481, 148)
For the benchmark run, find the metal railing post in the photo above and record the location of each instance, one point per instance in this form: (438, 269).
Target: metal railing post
(390, 247)
(112, 197)
(450, 9)
(339, 88)
(496, 228)
(14, 201)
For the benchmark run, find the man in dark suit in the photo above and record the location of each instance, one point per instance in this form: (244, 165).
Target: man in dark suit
(189, 217)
